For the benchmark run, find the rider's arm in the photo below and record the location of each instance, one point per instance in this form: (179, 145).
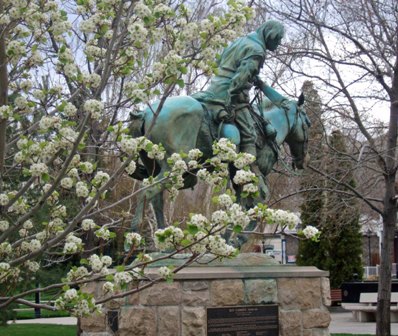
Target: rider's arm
(274, 96)
(245, 74)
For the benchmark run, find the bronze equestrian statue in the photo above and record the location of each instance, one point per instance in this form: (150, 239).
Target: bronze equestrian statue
(224, 110)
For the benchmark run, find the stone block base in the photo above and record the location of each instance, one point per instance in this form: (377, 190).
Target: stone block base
(180, 308)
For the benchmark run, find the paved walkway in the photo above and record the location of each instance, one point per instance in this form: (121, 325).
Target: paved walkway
(51, 320)
(342, 322)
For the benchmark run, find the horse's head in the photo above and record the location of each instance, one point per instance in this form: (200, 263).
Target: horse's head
(297, 139)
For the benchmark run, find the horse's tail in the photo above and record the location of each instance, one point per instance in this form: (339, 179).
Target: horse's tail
(136, 129)
(137, 124)
(140, 172)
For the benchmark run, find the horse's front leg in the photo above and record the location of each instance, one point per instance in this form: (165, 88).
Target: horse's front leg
(158, 208)
(150, 194)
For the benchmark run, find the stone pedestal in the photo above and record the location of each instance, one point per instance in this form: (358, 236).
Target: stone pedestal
(179, 309)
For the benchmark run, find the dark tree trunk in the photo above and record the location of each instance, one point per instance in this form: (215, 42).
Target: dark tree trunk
(383, 327)
(3, 96)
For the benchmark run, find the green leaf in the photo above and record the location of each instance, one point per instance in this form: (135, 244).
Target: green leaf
(64, 13)
(45, 177)
(180, 83)
(61, 107)
(25, 172)
(185, 242)
(238, 229)
(65, 288)
(83, 261)
(192, 229)
(120, 268)
(109, 277)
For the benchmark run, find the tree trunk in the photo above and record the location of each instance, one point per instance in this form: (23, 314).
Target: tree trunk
(383, 327)
(3, 98)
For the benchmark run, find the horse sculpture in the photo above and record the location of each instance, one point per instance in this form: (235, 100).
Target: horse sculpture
(184, 124)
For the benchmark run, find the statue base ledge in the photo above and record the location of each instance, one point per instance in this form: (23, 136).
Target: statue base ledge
(245, 265)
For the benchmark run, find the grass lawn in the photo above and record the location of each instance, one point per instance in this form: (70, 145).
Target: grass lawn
(30, 314)
(59, 330)
(38, 330)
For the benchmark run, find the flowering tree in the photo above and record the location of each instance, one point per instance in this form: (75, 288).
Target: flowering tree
(69, 75)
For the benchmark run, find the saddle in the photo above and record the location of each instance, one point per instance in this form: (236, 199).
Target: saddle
(222, 124)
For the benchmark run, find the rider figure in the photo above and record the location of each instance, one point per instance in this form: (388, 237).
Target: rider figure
(238, 69)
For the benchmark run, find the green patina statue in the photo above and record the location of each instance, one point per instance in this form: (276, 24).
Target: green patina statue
(223, 110)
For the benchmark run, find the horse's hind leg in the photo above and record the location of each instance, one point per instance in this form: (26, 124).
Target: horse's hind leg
(153, 192)
(158, 207)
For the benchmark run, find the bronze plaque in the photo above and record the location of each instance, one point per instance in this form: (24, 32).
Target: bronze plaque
(243, 321)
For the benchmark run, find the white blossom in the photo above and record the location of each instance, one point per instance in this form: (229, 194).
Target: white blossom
(5, 248)
(33, 266)
(94, 107)
(250, 188)
(244, 159)
(167, 238)
(128, 145)
(142, 10)
(70, 248)
(70, 294)
(88, 224)
(78, 273)
(108, 287)
(310, 231)
(86, 167)
(21, 102)
(27, 225)
(157, 152)
(243, 176)
(165, 272)
(4, 267)
(4, 199)
(67, 183)
(133, 238)
(5, 112)
(194, 154)
(199, 221)
(103, 233)
(34, 245)
(224, 200)
(100, 179)
(122, 278)
(70, 110)
(130, 169)
(225, 150)
(4, 225)
(81, 189)
(38, 169)
(106, 260)
(95, 263)
(73, 173)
